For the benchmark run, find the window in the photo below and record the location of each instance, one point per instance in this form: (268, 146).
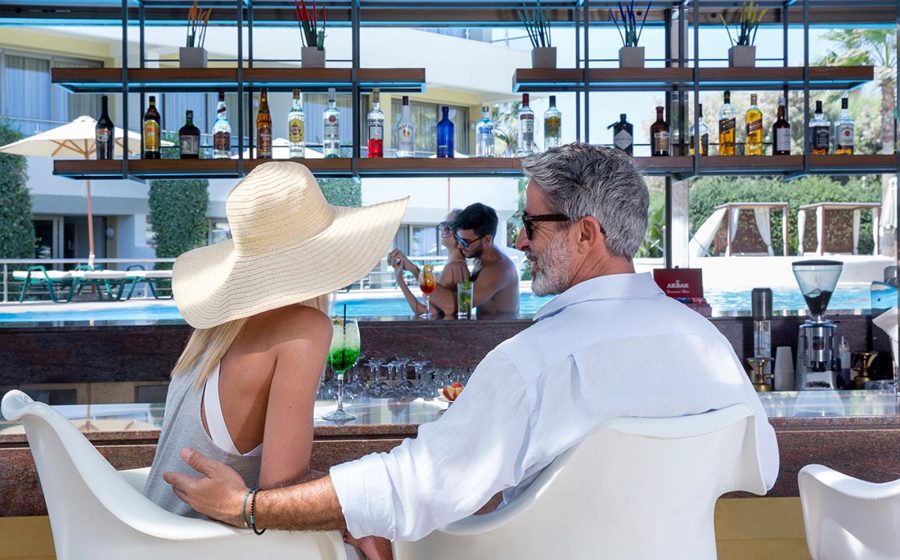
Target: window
(44, 107)
(419, 240)
(425, 117)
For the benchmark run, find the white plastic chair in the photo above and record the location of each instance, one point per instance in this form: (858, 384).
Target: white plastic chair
(847, 518)
(639, 488)
(97, 512)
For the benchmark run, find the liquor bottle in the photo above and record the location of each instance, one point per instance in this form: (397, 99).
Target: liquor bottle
(781, 131)
(296, 128)
(552, 125)
(659, 135)
(727, 127)
(819, 136)
(704, 135)
(754, 138)
(445, 134)
(406, 132)
(151, 131)
(484, 134)
(332, 122)
(526, 128)
(264, 127)
(375, 121)
(189, 137)
(843, 130)
(623, 134)
(221, 131)
(104, 132)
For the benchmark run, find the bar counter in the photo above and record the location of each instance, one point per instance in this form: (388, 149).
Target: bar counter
(856, 432)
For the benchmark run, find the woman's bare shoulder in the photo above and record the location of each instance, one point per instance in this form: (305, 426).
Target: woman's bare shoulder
(295, 324)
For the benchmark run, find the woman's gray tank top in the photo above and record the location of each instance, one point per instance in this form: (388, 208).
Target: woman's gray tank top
(183, 427)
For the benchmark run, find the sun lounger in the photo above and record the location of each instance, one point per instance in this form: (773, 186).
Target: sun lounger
(113, 282)
(53, 280)
(139, 275)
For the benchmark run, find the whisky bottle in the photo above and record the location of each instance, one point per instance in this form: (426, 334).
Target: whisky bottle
(296, 128)
(151, 131)
(659, 135)
(754, 138)
(843, 130)
(704, 134)
(221, 131)
(264, 127)
(189, 137)
(819, 135)
(726, 127)
(781, 131)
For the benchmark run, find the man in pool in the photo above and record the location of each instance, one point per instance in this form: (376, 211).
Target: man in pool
(611, 344)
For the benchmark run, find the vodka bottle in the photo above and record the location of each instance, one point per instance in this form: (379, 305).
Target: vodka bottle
(484, 134)
(445, 134)
(406, 132)
(297, 128)
(332, 120)
(843, 130)
(526, 128)
(552, 125)
(221, 131)
(375, 122)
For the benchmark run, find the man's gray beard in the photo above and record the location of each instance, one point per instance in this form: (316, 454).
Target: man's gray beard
(552, 275)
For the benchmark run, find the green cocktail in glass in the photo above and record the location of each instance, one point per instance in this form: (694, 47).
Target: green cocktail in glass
(342, 354)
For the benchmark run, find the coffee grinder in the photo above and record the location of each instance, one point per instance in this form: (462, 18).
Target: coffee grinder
(816, 343)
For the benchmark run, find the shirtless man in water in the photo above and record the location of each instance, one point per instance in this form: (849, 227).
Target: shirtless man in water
(496, 280)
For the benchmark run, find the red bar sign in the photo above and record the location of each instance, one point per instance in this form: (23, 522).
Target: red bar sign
(680, 282)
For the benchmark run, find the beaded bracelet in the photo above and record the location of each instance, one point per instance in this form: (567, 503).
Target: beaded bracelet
(244, 509)
(254, 491)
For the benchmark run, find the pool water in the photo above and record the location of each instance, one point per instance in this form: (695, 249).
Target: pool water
(784, 299)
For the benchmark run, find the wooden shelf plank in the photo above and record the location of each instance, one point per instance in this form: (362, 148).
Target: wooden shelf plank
(184, 168)
(96, 80)
(641, 79)
(855, 164)
(439, 166)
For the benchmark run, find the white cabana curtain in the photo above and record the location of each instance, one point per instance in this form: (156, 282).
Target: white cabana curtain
(706, 233)
(735, 217)
(856, 232)
(764, 226)
(801, 230)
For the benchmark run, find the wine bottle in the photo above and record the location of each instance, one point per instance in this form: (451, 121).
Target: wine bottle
(659, 135)
(104, 132)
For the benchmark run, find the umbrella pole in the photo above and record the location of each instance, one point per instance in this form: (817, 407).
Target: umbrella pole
(90, 219)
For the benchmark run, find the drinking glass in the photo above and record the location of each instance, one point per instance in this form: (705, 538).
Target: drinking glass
(341, 356)
(427, 283)
(464, 294)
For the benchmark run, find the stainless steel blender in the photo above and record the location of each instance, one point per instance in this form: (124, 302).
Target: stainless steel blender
(816, 340)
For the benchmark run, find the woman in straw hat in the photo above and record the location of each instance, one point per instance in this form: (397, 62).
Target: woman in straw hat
(244, 388)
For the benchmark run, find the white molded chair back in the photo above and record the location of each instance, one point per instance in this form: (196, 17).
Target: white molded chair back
(97, 512)
(847, 518)
(638, 488)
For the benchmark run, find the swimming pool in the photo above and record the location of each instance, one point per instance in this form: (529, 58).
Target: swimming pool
(359, 305)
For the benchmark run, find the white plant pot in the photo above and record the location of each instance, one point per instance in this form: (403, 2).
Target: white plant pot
(312, 57)
(192, 57)
(631, 57)
(742, 56)
(543, 57)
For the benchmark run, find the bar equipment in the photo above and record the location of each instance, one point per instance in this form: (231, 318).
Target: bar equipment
(761, 379)
(863, 361)
(761, 305)
(816, 340)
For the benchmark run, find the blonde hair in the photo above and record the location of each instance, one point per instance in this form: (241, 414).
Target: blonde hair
(207, 347)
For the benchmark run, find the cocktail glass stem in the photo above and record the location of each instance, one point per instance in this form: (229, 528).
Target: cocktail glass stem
(427, 307)
(340, 395)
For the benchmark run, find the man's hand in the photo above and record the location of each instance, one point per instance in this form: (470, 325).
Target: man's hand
(219, 494)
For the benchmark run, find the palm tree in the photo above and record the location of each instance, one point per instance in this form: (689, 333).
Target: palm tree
(870, 47)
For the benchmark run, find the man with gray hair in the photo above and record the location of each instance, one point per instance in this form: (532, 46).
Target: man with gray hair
(611, 344)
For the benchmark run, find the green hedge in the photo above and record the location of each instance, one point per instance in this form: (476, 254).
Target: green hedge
(17, 240)
(342, 192)
(178, 214)
(708, 192)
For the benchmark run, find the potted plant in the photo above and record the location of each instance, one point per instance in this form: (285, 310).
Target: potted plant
(630, 55)
(742, 53)
(537, 24)
(312, 54)
(193, 55)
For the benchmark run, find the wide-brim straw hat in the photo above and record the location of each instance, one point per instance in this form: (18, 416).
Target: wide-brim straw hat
(288, 245)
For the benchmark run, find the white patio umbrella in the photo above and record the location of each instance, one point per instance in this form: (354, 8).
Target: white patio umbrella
(74, 140)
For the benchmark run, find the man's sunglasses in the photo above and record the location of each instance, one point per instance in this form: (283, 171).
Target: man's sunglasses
(529, 221)
(465, 242)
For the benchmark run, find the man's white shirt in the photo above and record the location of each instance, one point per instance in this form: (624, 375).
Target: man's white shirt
(607, 347)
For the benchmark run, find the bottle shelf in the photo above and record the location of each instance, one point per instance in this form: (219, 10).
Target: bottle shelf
(103, 80)
(680, 166)
(656, 79)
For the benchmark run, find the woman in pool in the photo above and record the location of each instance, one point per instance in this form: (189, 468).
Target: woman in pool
(455, 271)
(244, 388)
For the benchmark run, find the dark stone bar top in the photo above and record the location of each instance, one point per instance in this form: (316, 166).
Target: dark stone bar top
(856, 432)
